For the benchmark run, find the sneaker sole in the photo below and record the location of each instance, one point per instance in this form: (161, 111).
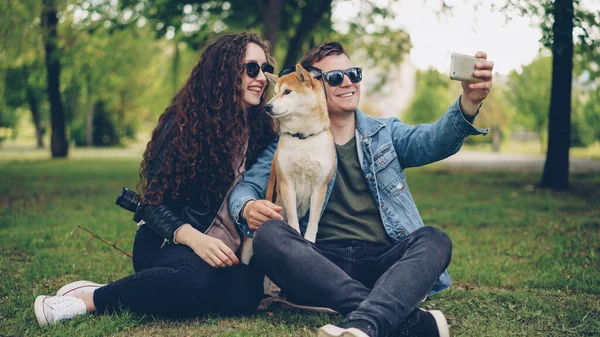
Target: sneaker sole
(38, 307)
(441, 322)
(331, 330)
(71, 288)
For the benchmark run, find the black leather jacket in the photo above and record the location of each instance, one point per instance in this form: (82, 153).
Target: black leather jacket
(166, 217)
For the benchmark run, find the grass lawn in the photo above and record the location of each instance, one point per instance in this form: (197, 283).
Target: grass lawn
(526, 262)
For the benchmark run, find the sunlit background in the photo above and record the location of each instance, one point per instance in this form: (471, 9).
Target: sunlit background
(122, 62)
(522, 205)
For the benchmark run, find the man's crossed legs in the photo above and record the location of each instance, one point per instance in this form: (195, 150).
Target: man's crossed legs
(377, 288)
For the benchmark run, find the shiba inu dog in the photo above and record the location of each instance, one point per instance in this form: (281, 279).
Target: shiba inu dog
(305, 159)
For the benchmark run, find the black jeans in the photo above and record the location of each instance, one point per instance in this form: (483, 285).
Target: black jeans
(381, 285)
(175, 282)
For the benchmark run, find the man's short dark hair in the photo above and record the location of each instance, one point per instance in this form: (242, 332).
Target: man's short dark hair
(320, 52)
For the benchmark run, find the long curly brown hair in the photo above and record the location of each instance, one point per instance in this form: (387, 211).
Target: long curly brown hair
(205, 129)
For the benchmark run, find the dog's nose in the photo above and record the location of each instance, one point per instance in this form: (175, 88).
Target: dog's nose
(269, 107)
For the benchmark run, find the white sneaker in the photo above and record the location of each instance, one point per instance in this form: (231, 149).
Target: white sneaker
(358, 328)
(77, 288)
(51, 309)
(331, 330)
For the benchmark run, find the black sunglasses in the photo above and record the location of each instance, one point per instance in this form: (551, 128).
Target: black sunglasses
(336, 77)
(253, 68)
(333, 77)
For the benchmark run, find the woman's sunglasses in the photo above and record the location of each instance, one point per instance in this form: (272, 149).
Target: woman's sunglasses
(253, 68)
(333, 77)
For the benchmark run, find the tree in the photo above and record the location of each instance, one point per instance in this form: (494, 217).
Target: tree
(296, 26)
(560, 21)
(21, 63)
(496, 113)
(529, 93)
(76, 77)
(23, 86)
(431, 97)
(591, 111)
(291, 21)
(58, 141)
(583, 128)
(556, 168)
(124, 70)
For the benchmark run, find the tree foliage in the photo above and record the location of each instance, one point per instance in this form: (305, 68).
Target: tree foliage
(431, 97)
(566, 25)
(529, 92)
(132, 55)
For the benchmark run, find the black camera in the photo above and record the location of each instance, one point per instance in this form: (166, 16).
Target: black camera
(132, 202)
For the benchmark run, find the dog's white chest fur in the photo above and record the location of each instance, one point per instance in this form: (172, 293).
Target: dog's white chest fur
(306, 164)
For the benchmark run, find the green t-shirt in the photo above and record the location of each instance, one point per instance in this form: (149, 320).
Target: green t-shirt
(351, 213)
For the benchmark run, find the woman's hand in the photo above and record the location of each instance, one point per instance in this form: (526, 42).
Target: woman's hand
(258, 211)
(212, 250)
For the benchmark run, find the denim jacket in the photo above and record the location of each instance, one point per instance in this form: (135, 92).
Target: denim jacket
(386, 147)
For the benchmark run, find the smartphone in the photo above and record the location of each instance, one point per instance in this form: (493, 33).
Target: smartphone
(462, 67)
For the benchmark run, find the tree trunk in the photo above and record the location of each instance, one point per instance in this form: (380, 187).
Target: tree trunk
(556, 168)
(58, 143)
(123, 95)
(271, 14)
(496, 138)
(175, 69)
(89, 114)
(122, 125)
(311, 15)
(34, 106)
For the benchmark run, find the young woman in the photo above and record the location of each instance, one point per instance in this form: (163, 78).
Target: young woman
(184, 251)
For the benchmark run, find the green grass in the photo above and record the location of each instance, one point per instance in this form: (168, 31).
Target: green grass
(525, 263)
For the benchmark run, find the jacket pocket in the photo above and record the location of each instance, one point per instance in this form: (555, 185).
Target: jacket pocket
(397, 186)
(383, 157)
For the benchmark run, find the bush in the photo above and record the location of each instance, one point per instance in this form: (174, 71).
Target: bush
(105, 131)
(9, 120)
(582, 134)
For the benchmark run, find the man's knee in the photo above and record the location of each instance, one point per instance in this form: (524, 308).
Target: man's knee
(438, 238)
(268, 237)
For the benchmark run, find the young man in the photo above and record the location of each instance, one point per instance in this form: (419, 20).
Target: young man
(373, 260)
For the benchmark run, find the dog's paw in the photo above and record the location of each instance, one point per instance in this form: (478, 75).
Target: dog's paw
(311, 238)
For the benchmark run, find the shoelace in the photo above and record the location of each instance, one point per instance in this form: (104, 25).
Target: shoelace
(63, 307)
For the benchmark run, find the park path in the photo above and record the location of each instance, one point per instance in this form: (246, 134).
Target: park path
(486, 161)
(463, 160)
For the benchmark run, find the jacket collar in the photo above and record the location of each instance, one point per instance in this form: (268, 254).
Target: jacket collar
(366, 125)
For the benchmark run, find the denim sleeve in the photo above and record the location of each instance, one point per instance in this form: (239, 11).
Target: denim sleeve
(252, 186)
(418, 145)
(469, 118)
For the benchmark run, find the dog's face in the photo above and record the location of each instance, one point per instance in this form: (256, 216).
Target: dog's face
(295, 94)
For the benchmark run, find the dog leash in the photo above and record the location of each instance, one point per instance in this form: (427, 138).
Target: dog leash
(271, 192)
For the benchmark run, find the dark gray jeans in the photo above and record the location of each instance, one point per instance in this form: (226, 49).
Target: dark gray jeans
(381, 285)
(172, 281)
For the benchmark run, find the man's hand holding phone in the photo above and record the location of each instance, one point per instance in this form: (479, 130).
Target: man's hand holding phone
(476, 80)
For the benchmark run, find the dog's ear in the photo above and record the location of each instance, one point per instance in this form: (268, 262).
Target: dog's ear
(271, 78)
(303, 75)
